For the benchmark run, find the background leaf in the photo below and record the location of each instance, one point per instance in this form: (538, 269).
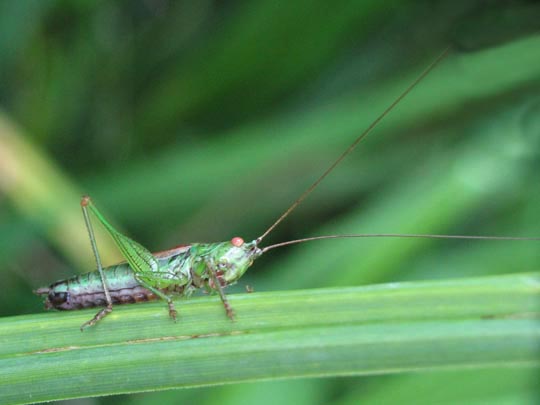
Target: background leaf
(198, 121)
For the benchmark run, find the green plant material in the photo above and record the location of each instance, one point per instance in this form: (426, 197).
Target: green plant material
(501, 385)
(432, 198)
(329, 332)
(188, 91)
(259, 99)
(252, 149)
(45, 199)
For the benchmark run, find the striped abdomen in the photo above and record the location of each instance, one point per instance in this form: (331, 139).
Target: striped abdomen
(86, 290)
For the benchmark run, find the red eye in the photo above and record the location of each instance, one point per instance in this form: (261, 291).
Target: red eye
(237, 241)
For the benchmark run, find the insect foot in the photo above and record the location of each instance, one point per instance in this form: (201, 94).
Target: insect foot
(100, 315)
(229, 310)
(172, 311)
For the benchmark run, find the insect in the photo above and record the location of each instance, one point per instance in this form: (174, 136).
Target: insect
(148, 276)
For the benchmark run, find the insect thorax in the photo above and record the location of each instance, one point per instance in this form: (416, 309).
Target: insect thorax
(229, 262)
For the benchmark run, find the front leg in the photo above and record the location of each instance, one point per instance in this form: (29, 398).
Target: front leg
(219, 288)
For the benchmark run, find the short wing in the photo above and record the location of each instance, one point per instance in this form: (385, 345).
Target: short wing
(139, 258)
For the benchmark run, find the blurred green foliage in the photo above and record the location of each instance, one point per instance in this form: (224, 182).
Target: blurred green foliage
(197, 121)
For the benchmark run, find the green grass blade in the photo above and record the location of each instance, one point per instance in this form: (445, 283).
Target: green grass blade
(387, 328)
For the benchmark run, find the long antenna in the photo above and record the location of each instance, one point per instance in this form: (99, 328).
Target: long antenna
(356, 142)
(396, 235)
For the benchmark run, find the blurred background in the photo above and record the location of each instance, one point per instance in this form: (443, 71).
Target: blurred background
(198, 121)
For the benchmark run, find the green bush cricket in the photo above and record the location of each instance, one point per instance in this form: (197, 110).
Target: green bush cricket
(182, 270)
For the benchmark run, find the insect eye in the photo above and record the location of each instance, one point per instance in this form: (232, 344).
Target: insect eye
(237, 241)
